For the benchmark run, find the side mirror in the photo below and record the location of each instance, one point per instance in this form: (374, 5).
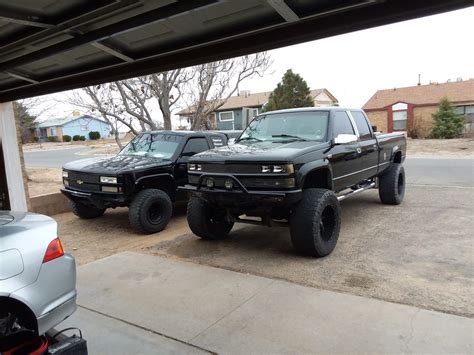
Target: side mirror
(345, 139)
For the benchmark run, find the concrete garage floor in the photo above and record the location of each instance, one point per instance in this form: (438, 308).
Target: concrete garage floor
(188, 308)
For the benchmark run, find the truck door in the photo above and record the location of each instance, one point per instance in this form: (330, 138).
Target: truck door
(193, 146)
(368, 149)
(343, 157)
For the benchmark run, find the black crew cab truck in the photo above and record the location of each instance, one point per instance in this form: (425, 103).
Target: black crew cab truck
(293, 167)
(144, 177)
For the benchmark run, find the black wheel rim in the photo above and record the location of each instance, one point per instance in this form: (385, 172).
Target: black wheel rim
(155, 213)
(327, 223)
(401, 184)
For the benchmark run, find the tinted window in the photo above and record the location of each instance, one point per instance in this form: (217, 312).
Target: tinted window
(342, 124)
(194, 146)
(304, 125)
(361, 124)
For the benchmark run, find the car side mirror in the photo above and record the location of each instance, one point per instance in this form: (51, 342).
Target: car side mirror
(345, 139)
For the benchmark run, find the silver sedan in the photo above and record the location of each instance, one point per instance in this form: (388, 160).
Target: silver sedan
(37, 279)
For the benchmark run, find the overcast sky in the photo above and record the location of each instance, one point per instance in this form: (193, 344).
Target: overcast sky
(353, 66)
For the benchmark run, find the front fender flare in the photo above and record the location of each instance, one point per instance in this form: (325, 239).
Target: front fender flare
(307, 168)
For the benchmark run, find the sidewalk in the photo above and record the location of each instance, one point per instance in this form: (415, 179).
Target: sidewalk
(141, 302)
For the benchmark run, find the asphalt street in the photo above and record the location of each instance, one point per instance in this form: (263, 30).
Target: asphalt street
(424, 171)
(56, 158)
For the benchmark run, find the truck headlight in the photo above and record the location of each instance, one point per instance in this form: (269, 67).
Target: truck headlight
(195, 167)
(65, 174)
(108, 180)
(278, 168)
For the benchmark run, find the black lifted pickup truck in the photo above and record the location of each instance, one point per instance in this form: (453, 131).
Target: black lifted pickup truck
(143, 176)
(294, 166)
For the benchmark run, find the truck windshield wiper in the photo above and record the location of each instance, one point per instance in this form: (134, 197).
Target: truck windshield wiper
(288, 136)
(250, 138)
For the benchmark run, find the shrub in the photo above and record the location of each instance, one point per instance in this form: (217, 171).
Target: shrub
(82, 138)
(66, 138)
(446, 123)
(94, 135)
(76, 138)
(52, 138)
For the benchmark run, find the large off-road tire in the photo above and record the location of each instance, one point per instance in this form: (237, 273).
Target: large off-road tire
(85, 211)
(206, 221)
(150, 211)
(392, 185)
(315, 222)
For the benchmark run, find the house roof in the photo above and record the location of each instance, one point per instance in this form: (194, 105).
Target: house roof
(459, 91)
(257, 99)
(58, 122)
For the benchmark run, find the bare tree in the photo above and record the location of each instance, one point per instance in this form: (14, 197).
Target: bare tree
(121, 103)
(215, 82)
(167, 88)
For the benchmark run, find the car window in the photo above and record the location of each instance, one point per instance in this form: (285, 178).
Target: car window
(194, 146)
(342, 124)
(361, 124)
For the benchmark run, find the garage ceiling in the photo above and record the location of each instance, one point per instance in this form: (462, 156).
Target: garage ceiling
(50, 45)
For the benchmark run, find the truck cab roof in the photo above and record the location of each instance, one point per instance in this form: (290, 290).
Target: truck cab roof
(307, 109)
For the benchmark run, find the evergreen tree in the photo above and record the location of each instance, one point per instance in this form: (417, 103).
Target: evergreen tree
(446, 123)
(26, 120)
(292, 91)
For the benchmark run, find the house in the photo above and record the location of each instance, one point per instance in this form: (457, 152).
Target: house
(239, 110)
(75, 124)
(410, 109)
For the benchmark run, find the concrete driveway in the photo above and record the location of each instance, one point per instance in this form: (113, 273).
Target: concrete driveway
(418, 254)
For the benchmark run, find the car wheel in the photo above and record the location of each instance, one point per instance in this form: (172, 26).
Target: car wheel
(150, 211)
(205, 221)
(85, 211)
(315, 222)
(392, 185)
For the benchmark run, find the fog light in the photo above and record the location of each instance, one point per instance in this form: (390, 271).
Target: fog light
(228, 184)
(210, 182)
(109, 189)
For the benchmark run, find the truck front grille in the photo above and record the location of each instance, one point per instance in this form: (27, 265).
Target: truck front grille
(85, 178)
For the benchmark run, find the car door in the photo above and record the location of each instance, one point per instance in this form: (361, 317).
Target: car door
(343, 157)
(193, 146)
(368, 149)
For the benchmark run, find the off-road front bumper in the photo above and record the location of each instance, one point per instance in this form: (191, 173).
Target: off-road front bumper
(240, 196)
(97, 199)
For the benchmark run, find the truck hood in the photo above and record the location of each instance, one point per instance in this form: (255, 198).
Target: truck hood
(261, 151)
(114, 165)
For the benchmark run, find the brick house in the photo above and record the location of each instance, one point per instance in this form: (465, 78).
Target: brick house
(239, 110)
(410, 109)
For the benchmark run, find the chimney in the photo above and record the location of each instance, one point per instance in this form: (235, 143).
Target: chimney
(419, 79)
(244, 93)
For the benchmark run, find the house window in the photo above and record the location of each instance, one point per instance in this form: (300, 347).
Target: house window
(52, 131)
(399, 120)
(464, 110)
(226, 116)
(255, 112)
(399, 116)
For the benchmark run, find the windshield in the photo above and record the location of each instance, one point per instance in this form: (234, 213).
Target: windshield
(309, 125)
(156, 145)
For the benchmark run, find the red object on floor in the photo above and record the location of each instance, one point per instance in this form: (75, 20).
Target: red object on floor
(36, 346)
